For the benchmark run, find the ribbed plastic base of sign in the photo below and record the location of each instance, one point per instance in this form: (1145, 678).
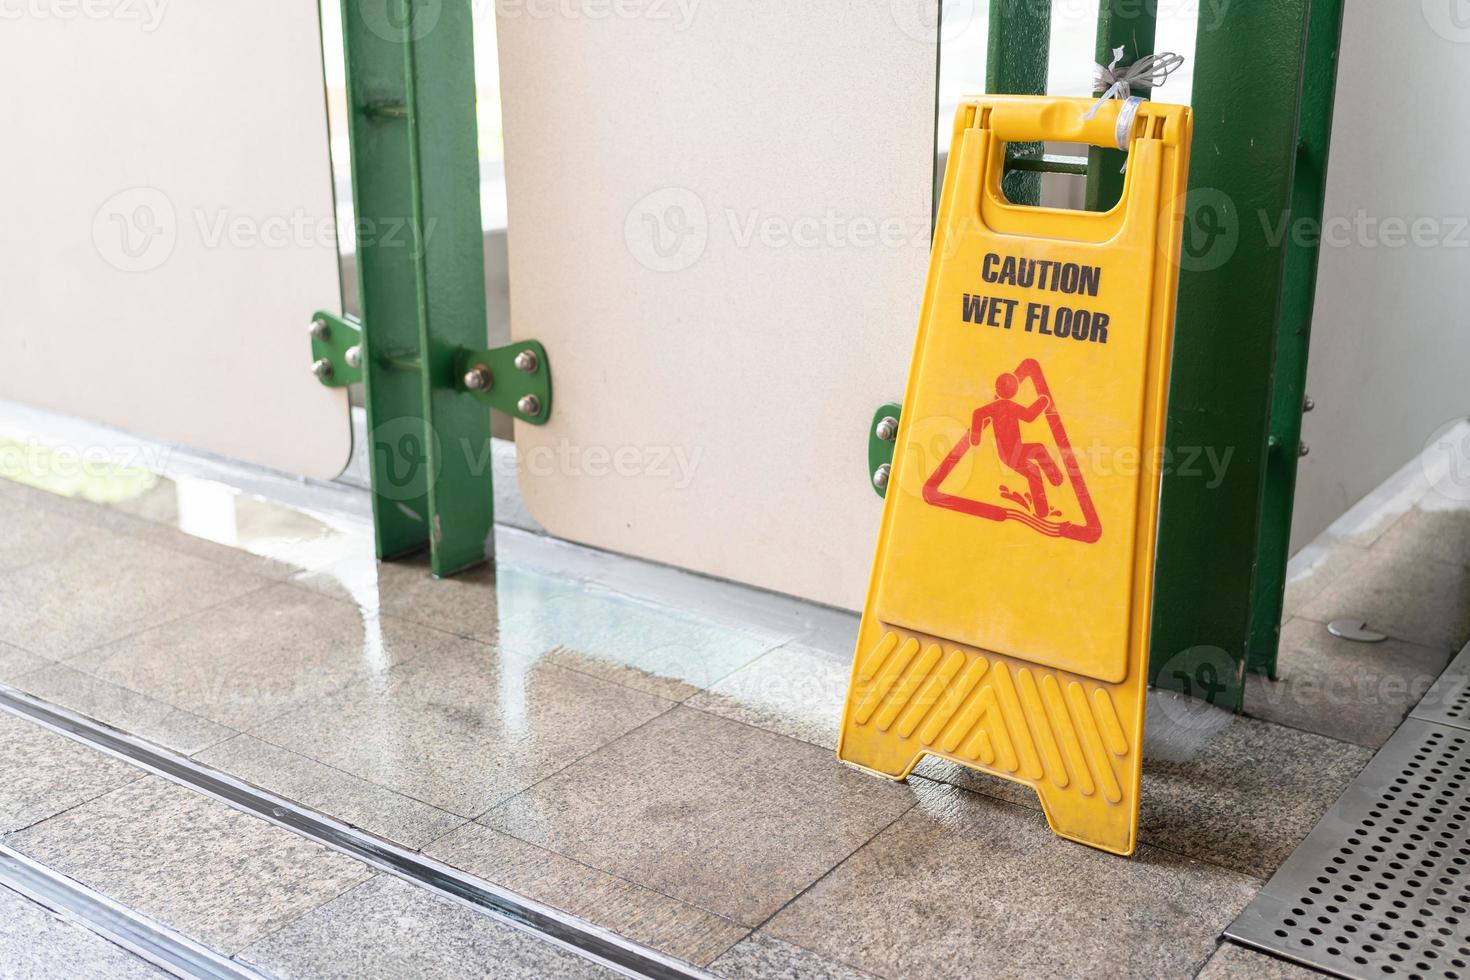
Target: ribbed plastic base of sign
(1381, 886)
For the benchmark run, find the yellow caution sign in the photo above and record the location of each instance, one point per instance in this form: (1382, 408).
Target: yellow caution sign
(1007, 620)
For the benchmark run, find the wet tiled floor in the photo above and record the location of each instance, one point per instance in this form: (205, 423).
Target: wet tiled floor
(627, 743)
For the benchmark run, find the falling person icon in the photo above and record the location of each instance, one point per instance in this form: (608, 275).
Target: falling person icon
(1030, 459)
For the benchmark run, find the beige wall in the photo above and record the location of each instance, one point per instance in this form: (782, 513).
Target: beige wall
(692, 213)
(168, 226)
(1390, 353)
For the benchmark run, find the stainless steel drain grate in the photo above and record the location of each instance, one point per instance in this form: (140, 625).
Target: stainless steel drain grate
(1448, 701)
(1381, 887)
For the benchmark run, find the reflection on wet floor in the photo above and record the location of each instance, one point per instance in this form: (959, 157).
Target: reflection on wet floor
(635, 745)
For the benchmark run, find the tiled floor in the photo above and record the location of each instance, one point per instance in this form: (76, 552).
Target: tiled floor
(628, 744)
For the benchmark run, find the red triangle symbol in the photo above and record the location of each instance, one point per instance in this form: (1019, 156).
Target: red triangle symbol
(1036, 484)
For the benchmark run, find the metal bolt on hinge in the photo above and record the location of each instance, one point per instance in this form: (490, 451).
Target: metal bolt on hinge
(1302, 449)
(1308, 404)
(527, 361)
(354, 356)
(529, 405)
(478, 378)
(322, 368)
(887, 429)
(880, 476)
(320, 330)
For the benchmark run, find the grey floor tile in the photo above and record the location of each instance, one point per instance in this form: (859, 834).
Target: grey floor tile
(217, 522)
(712, 812)
(1418, 600)
(12, 491)
(795, 690)
(1355, 692)
(637, 913)
(633, 639)
(42, 773)
(390, 928)
(246, 661)
(1244, 794)
(764, 957)
(1232, 962)
(38, 945)
(1305, 586)
(472, 603)
(15, 663)
(463, 728)
(33, 534)
(137, 714)
(615, 672)
(196, 865)
(337, 794)
(1441, 535)
(115, 587)
(969, 886)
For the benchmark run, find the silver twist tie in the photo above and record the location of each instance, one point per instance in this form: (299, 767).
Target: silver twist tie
(1113, 82)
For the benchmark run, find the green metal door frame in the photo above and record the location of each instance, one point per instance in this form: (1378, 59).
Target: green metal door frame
(415, 163)
(1288, 390)
(420, 346)
(1018, 54)
(1226, 495)
(1133, 31)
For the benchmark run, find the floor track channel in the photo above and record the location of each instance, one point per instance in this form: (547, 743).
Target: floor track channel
(74, 902)
(581, 937)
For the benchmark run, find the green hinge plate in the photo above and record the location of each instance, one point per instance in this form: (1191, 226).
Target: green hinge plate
(882, 435)
(514, 379)
(336, 349)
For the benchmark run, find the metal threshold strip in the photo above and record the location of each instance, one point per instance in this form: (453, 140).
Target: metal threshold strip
(75, 902)
(576, 935)
(1381, 886)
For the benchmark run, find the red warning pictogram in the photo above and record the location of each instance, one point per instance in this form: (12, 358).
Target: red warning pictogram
(1047, 470)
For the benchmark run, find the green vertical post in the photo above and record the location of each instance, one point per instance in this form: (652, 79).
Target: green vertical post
(1245, 149)
(1293, 333)
(1132, 28)
(1017, 55)
(416, 189)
